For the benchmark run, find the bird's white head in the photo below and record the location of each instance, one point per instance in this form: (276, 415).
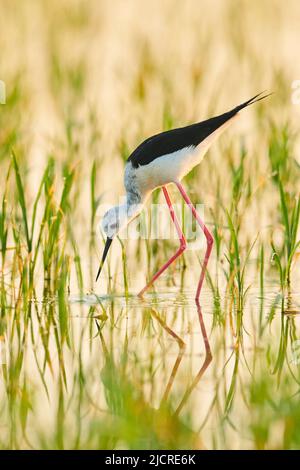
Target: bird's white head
(114, 220)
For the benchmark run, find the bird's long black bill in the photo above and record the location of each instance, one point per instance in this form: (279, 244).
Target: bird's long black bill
(106, 248)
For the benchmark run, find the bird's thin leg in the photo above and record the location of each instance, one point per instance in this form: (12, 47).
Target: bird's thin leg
(180, 249)
(181, 345)
(208, 236)
(204, 366)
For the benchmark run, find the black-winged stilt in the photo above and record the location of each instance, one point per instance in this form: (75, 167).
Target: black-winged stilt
(160, 160)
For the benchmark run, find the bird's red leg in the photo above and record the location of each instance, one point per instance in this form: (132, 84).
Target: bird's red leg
(180, 249)
(208, 236)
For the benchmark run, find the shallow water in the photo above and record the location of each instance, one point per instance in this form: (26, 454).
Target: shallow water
(123, 356)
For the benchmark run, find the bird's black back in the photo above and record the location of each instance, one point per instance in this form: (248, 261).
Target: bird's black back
(177, 139)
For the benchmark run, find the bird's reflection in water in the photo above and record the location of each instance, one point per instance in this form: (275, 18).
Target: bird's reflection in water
(203, 366)
(182, 346)
(160, 426)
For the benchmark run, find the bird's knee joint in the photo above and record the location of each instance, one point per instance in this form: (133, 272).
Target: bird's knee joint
(210, 240)
(209, 357)
(183, 246)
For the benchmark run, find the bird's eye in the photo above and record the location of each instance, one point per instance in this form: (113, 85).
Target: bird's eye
(113, 226)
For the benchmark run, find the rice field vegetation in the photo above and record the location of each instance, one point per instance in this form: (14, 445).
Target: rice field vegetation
(86, 365)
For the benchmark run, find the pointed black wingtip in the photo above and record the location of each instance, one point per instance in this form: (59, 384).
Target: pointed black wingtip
(254, 99)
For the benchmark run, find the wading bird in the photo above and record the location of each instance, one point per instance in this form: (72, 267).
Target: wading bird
(158, 161)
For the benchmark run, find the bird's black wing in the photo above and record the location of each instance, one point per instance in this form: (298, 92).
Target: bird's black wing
(176, 139)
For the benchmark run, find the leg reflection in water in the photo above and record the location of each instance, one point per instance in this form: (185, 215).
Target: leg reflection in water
(204, 366)
(131, 418)
(182, 346)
